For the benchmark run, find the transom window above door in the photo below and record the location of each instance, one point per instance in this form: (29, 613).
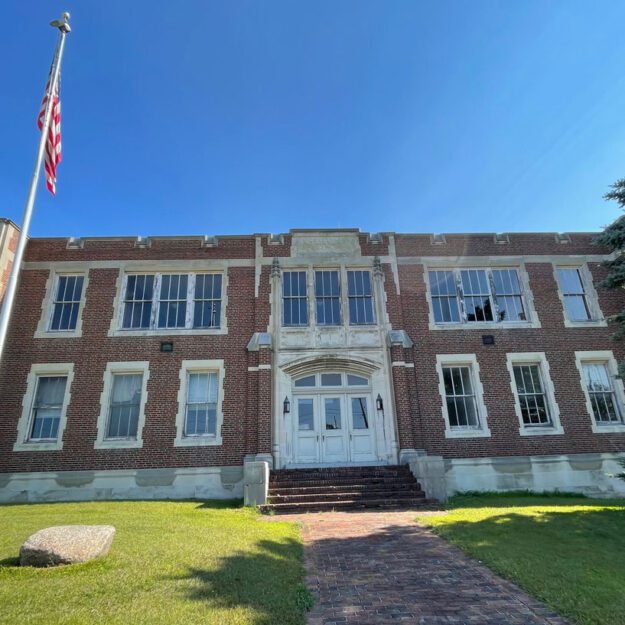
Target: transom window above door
(331, 380)
(339, 295)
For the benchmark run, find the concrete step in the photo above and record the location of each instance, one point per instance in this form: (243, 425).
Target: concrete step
(360, 496)
(347, 505)
(343, 488)
(309, 481)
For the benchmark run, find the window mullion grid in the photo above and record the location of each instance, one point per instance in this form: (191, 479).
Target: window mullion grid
(493, 294)
(460, 295)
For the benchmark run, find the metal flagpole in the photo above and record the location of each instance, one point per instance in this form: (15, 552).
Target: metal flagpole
(9, 296)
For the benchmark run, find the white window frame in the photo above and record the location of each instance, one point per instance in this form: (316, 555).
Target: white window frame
(112, 369)
(199, 366)
(24, 424)
(605, 357)
(116, 327)
(43, 330)
(456, 267)
(539, 359)
(592, 298)
(341, 269)
(463, 360)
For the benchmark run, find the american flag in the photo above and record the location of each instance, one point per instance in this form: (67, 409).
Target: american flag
(53, 142)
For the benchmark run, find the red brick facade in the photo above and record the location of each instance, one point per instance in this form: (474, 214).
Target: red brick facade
(248, 402)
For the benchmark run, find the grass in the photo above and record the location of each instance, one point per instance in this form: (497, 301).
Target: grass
(213, 563)
(567, 551)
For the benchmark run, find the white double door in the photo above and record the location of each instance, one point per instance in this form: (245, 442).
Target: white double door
(334, 428)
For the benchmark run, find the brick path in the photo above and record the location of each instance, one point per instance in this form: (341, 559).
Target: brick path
(375, 568)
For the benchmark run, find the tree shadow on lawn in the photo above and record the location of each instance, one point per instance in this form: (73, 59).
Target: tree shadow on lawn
(268, 580)
(521, 499)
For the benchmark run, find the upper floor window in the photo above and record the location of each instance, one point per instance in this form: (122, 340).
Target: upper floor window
(294, 298)
(66, 303)
(573, 294)
(477, 295)
(328, 298)
(360, 297)
(172, 301)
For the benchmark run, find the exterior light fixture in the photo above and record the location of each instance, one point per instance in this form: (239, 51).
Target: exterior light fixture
(286, 406)
(379, 404)
(167, 346)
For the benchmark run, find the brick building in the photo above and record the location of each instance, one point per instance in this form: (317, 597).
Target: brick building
(162, 366)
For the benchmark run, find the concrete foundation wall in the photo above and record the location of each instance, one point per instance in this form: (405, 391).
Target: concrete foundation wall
(589, 474)
(187, 483)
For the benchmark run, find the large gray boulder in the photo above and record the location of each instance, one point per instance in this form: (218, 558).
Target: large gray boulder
(66, 544)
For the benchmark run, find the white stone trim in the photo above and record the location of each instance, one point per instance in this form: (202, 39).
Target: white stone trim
(215, 365)
(469, 360)
(592, 298)
(606, 357)
(24, 424)
(47, 304)
(480, 263)
(142, 367)
(161, 267)
(540, 359)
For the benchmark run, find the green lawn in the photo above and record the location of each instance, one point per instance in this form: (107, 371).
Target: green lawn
(567, 551)
(171, 562)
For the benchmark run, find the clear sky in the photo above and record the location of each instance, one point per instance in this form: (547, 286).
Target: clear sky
(233, 116)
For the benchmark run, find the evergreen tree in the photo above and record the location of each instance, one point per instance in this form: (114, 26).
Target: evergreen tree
(613, 237)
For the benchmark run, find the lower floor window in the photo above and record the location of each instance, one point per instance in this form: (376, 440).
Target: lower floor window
(460, 397)
(201, 410)
(125, 406)
(601, 392)
(47, 408)
(531, 392)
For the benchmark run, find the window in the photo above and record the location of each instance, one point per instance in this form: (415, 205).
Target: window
(138, 301)
(294, 298)
(44, 407)
(125, 406)
(172, 306)
(476, 295)
(573, 294)
(201, 419)
(531, 392)
(66, 304)
(599, 386)
(444, 297)
(328, 296)
(462, 396)
(360, 297)
(47, 408)
(534, 394)
(461, 404)
(331, 380)
(122, 405)
(207, 303)
(172, 302)
(200, 399)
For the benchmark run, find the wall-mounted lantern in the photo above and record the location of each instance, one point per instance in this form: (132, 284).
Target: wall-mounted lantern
(167, 346)
(286, 406)
(379, 404)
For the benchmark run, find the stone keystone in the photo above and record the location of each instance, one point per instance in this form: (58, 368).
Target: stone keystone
(66, 544)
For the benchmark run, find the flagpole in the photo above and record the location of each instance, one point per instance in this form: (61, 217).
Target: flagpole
(9, 295)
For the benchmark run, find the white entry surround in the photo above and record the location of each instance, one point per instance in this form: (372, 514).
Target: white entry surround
(344, 424)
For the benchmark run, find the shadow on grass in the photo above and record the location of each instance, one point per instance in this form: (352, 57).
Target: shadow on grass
(269, 581)
(9, 562)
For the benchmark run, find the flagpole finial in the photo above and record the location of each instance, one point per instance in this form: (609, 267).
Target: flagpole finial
(62, 24)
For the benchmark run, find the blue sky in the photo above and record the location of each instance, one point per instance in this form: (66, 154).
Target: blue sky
(206, 117)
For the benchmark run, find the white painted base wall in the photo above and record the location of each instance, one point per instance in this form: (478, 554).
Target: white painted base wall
(589, 474)
(186, 483)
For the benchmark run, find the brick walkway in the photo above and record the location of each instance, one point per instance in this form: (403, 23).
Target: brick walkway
(375, 568)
